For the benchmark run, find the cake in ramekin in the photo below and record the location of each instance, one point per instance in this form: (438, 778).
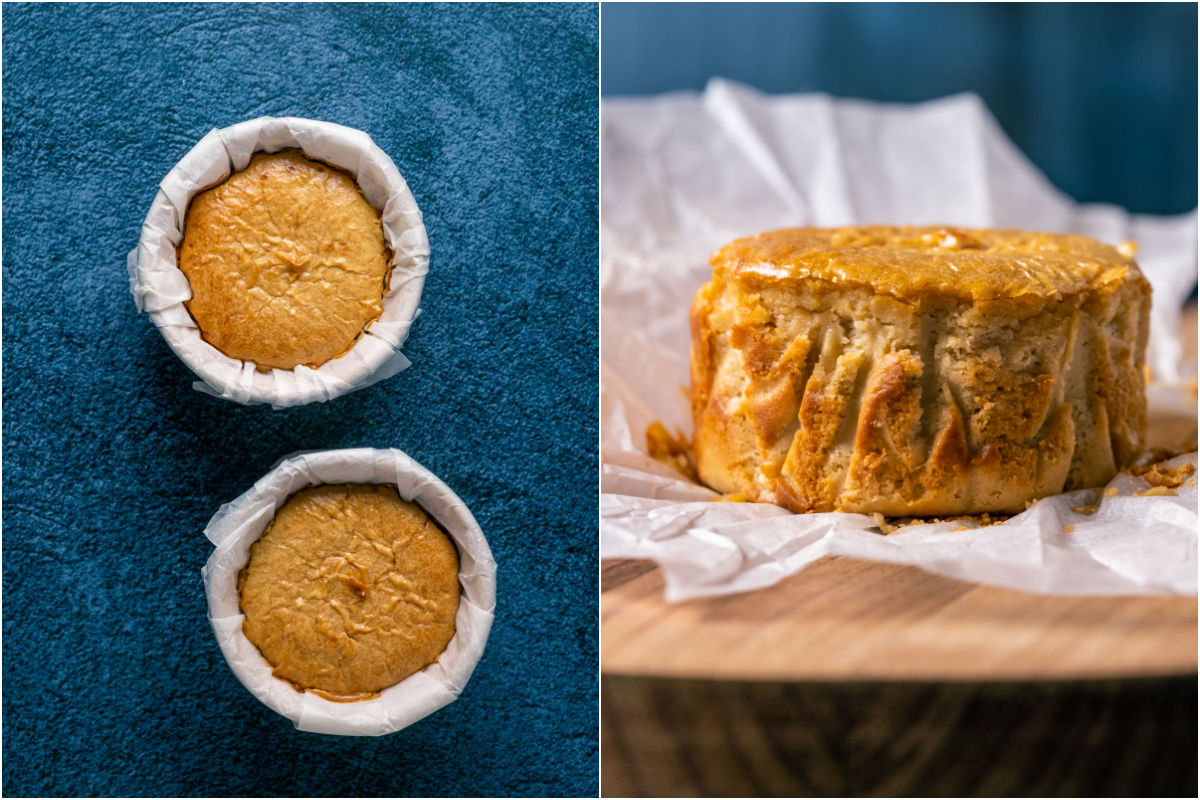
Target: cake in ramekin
(349, 590)
(917, 371)
(287, 262)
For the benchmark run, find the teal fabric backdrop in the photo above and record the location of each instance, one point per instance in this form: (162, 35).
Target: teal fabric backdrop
(1102, 96)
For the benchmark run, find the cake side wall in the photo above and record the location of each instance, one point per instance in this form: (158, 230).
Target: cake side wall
(821, 398)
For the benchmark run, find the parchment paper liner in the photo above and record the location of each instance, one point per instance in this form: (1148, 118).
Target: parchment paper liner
(685, 173)
(160, 289)
(238, 525)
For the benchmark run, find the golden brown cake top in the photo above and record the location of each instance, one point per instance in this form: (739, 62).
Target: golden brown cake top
(349, 590)
(286, 260)
(912, 263)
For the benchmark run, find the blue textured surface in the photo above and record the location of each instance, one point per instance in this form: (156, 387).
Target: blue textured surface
(113, 682)
(1102, 96)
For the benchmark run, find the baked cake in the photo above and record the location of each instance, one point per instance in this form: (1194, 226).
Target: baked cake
(917, 371)
(349, 590)
(286, 261)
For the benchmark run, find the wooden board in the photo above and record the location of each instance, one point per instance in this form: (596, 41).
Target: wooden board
(855, 678)
(848, 619)
(672, 738)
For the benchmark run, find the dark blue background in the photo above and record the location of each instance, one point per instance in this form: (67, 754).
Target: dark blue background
(113, 682)
(1101, 96)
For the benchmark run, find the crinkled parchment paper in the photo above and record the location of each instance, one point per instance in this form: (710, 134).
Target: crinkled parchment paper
(238, 525)
(685, 173)
(160, 289)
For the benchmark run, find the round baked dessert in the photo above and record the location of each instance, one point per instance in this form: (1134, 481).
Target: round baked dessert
(917, 371)
(349, 590)
(286, 260)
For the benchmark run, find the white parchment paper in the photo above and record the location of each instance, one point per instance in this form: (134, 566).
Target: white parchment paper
(238, 524)
(685, 173)
(160, 288)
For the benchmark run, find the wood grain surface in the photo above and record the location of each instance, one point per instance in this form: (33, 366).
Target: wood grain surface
(855, 678)
(1128, 738)
(844, 619)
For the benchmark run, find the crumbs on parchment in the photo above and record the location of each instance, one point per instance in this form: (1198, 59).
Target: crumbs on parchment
(889, 526)
(674, 451)
(1164, 479)
(1160, 475)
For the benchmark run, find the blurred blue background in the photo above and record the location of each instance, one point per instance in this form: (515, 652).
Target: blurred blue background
(1102, 97)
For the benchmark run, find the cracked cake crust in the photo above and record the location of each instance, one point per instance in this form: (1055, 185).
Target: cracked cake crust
(287, 262)
(349, 590)
(917, 371)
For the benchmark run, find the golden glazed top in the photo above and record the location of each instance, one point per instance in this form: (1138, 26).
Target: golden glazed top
(913, 263)
(349, 590)
(286, 260)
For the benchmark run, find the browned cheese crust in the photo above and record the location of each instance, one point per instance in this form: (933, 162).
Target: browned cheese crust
(286, 260)
(917, 371)
(349, 590)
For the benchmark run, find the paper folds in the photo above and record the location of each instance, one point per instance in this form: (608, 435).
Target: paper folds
(160, 289)
(237, 525)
